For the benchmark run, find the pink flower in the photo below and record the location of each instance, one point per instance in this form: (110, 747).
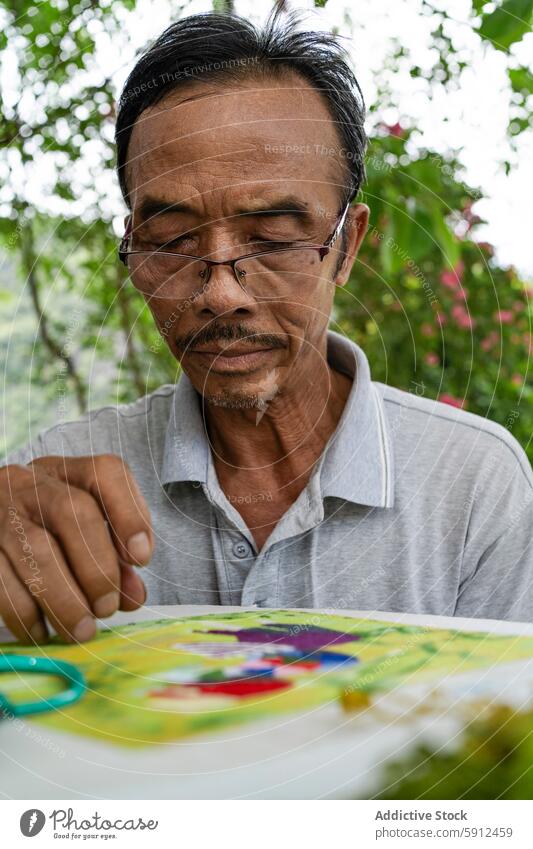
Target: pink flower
(487, 247)
(469, 216)
(519, 306)
(451, 278)
(461, 294)
(432, 359)
(394, 129)
(490, 341)
(441, 319)
(504, 316)
(427, 329)
(462, 318)
(453, 402)
(517, 379)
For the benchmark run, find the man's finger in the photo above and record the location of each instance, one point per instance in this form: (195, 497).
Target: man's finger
(77, 522)
(133, 591)
(17, 607)
(110, 481)
(51, 583)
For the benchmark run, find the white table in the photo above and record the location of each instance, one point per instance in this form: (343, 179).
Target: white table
(325, 753)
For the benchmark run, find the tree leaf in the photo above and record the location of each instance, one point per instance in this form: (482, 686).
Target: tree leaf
(507, 24)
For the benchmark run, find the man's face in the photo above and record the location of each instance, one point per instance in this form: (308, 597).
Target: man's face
(250, 164)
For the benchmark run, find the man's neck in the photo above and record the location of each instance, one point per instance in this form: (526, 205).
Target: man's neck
(287, 436)
(264, 458)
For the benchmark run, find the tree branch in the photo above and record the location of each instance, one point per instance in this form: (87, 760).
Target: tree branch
(29, 266)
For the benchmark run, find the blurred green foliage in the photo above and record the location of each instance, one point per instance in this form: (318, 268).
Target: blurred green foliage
(432, 310)
(428, 303)
(492, 760)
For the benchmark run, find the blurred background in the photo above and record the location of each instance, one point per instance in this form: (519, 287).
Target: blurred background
(441, 295)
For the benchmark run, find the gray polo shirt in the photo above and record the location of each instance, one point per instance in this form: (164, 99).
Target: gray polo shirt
(413, 506)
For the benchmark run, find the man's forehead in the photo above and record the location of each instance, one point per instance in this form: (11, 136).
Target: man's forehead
(201, 106)
(254, 129)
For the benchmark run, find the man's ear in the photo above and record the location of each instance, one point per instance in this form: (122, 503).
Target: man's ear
(354, 231)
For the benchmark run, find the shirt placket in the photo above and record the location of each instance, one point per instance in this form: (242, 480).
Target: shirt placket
(246, 577)
(237, 562)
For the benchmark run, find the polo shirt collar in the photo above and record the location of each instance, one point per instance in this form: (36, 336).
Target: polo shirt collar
(356, 464)
(186, 452)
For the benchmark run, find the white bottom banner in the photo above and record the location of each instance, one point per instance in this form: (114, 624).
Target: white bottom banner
(236, 824)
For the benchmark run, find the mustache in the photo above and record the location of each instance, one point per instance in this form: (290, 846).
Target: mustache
(216, 332)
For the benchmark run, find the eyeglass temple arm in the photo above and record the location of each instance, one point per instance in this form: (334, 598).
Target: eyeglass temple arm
(330, 241)
(123, 247)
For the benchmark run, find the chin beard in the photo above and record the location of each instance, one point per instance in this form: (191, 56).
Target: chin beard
(259, 401)
(235, 401)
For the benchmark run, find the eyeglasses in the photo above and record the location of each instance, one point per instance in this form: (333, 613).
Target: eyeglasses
(265, 275)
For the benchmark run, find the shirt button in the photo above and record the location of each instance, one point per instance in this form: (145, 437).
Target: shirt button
(241, 549)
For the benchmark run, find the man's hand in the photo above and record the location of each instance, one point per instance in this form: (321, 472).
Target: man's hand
(70, 528)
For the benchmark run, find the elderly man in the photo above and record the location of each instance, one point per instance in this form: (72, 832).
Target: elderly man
(275, 472)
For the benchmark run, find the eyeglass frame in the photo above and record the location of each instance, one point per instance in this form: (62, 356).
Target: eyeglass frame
(323, 249)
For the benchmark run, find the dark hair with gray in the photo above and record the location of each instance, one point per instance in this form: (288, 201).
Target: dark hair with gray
(224, 46)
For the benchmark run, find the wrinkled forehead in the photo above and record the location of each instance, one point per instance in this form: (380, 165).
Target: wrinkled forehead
(222, 138)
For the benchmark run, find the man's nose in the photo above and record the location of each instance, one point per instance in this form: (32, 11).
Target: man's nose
(222, 295)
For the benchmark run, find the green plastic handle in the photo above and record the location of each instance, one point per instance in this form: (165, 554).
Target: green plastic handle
(44, 666)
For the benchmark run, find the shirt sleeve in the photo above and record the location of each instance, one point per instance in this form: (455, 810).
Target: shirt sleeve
(92, 433)
(501, 584)
(24, 455)
(497, 568)
(65, 440)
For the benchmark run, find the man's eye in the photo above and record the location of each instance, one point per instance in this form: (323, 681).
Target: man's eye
(263, 243)
(179, 241)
